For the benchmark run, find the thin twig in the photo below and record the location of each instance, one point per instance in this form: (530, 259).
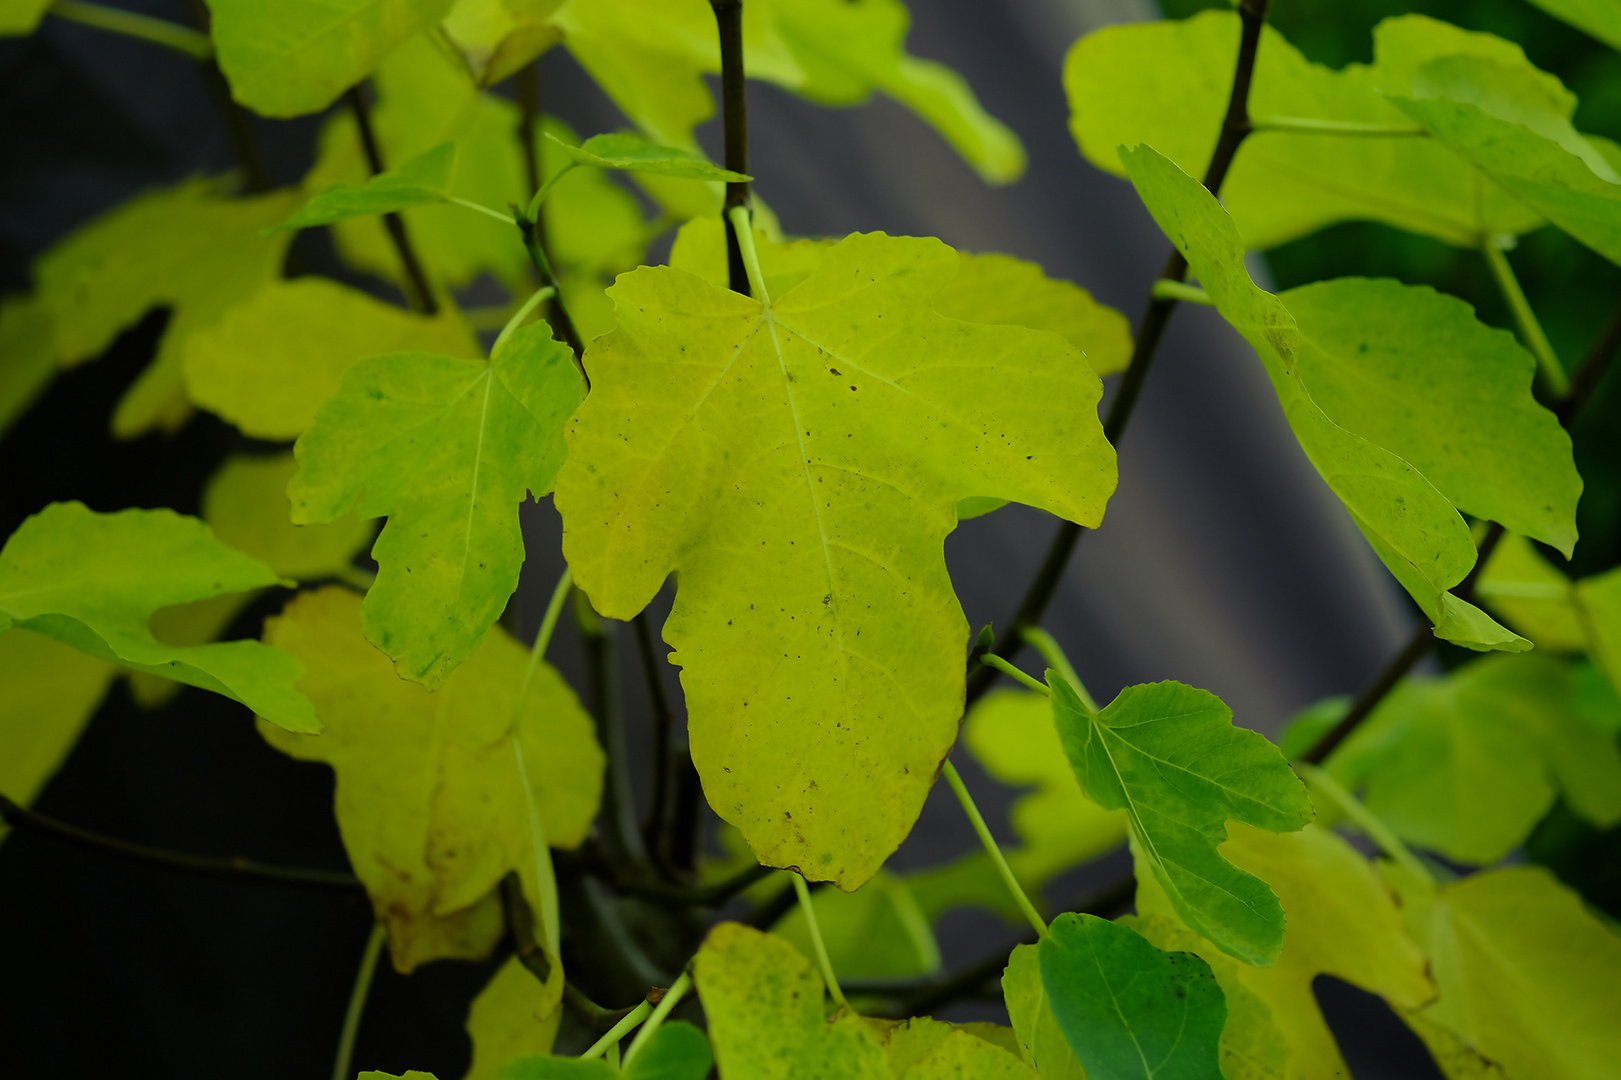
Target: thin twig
(521, 925)
(734, 109)
(529, 229)
(1590, 372)
(419, 294)
(231, 868)
(658, 817)
(1235, 127)
(709, 896)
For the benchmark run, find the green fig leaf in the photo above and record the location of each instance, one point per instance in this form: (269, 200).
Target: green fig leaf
(189, 247)
(921, 1048)
(1169, 755)
(497, 37)
(27, 355)
(298, 56)
(447, 449)
(631, 154)
(820, 641)
(94, 580)
(878, 931)
(1600, 600)
(1599, 18)
(426, 178)
(1342, 922)
(271, 362)
(1410, 524)
(1524, 973)
(766, 1017)
(557, 1068)
(1468, 764)
(1166, 83)
(1131, 1011)
(676, 1051)
(20, 17)
(245, 502)
(1042, 1044)
(513, 1016)
(429, 798)
(1532, 596)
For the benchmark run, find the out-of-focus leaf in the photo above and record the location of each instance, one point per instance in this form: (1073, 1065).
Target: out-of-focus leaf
(497, 37)
(1131, 1011)
(1532, 596)
(557, 1068)
(925, 1049)
(272, 361)
(27, 355)
(1600, 600)
(1410, 524)
(94, 580)
(1169, 755)
(448, 449)
(632, 154)
(297, 56)
(676, 1051)
(19, 17)
(1525, 974)
(1600, 18)
(1342, 922)
(766, 1016)
(51, 691)
(424, 179)
(429, 797)
(1414, 371)
(1041, 1043)
(875, 932)
(513, 1016)
(196, 623)
(819, 637)
(1467, 765)
(190, 247)
(246, 503)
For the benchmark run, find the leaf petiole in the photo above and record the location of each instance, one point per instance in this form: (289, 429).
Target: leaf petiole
(1365, 819)
(541, 295)
(803, 892)
(618, 1031)
(1045, 644)
(991, 848)
(741, 225)
(143, 27)
(1530, 329)
(1298, 125)
(671, 998)
(357, 1002)
(992, 660)
(496, 214)
(1169, 289)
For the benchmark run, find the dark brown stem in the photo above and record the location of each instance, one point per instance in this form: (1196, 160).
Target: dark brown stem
(521, 924)
(417, 290)
(734, 111)
(1372, 694)
(1235, 126)
(529, 229)
(621, 840)
(238, 121)
(663, 766)
(231, 868)
(712, 896)
(527, 88)
(1591, 370)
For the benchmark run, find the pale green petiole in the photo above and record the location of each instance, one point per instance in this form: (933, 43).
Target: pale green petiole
(744, 228)
(541, 295)
(672, 997)
(1365, 820)
(496, 214)
(545, 190)
(1045, 644)
(816, 939)
(357, 1002)
(617, 1032)
(991, 848)
(1530, 329)
(157, 31)
(1299, 125)
(992, 660)
(1166, 289)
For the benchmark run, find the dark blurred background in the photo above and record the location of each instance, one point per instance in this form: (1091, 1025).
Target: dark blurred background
(1224, 562)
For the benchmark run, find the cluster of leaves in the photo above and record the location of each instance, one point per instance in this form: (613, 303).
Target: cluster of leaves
(796, 453)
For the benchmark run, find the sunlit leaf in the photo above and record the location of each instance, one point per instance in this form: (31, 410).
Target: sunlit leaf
(190, 247)
(272, 361)
(1130, 1010)
(1011, 734)
(1041, 1043)
(429, 798)
(1525, 974)
(51, 692)
(924, 1049)
(766, 1016)
(1600, 18)
(1468, 764)
(1342, 922)
(1532, 596)
(875, 932)
(1411, 525)
(27, 355)
(93, 581)
(513, 1016)
(820, 641)
(497, 37)
(1600, 599)
(297, 56)
(1166, 84)
(424, 179)
(1169, 755)
(1414, 371)
(447, 449)
(627, 152)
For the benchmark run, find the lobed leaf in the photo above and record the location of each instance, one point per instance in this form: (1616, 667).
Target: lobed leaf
(921, 1048)
(429, 798)
(1342, 922)
(498, 37)
(820, 642)
(627, 152)
(515, 1015)
(426, 178)
(93, 581)
(272, 361)
(1410, 524)
(1170, 757)
(299, 55)
(447, 449)
(1525, 974)
(1131, 1011)
(1042, 1043)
